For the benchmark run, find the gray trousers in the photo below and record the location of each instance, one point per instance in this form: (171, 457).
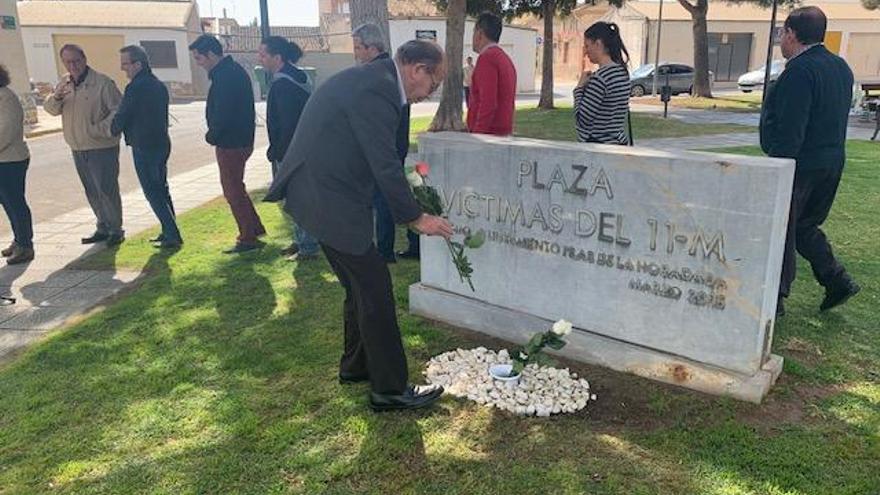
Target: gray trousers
(99, 173)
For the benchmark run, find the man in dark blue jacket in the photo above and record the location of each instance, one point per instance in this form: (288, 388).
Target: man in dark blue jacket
(805, 118)
(143, 117)
(288, 95)
(231, 126)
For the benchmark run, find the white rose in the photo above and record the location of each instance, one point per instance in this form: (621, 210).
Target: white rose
(562, 328)
(414, 179)
(523, 356)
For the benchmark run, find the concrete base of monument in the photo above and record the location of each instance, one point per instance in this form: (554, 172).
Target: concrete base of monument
(589, 347)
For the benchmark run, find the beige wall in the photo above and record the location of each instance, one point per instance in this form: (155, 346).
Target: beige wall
(677, 41)
(12, 50)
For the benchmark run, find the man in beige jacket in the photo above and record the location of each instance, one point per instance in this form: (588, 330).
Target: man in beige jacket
(87, 101)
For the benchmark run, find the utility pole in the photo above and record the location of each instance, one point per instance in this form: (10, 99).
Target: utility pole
(657, 52)
(265, 31)
(769, 52)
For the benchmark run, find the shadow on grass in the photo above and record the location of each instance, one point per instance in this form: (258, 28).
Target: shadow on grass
(218, 375)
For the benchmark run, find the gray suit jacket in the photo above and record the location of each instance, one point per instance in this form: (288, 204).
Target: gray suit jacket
(343, 149)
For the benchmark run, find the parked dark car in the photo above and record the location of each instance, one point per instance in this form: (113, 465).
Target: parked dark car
(680, 78)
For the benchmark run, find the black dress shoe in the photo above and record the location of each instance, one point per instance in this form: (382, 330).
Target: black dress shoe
(115, 239)
(169, 245)
(408, 255)
(839, 294)
(352, 378)
(389, 259)
(415, 397)
(290, 250)
(96, 237)
(243, 247)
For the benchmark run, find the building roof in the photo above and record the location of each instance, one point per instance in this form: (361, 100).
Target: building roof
(247, 38)
(111, 14)
(719, 11)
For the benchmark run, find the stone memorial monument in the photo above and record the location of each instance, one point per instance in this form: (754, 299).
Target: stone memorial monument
(666, 263)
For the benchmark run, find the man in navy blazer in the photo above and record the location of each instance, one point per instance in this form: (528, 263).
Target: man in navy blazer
(342, 152)
(805, 117)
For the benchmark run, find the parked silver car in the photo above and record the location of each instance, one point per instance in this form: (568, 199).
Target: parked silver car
(753, 80)
(680, 78)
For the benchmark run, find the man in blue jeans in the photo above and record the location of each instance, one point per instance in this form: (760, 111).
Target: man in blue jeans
(143, 117)
(288, 95)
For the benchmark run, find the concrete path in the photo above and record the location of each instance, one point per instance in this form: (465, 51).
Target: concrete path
(49, 293)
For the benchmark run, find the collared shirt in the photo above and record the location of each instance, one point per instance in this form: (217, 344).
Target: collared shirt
(490, 45)
(806, 47)
(400, 85)
(81, 78)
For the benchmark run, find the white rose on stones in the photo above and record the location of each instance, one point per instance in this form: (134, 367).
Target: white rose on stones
(414, 179)
(562, 328)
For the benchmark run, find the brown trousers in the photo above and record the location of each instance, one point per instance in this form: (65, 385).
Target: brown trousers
(231, 162)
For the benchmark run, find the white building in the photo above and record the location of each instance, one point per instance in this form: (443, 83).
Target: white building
(101, 28)
(739, 34)
(519, 42)
(11, 49)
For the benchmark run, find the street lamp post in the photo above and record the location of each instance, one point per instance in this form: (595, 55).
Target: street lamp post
(769, 51)
(657, 51)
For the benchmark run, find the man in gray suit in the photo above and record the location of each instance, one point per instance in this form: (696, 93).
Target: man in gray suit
(342, 151)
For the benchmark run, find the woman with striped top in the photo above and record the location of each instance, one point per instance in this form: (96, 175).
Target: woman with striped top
(601, 99)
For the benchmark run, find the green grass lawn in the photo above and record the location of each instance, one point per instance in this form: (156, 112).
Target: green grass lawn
(558, 124)
(739, 102)
(217, 375)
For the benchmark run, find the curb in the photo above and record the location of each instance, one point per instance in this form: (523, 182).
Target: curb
(42, 132)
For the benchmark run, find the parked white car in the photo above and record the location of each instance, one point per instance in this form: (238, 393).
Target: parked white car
(753, 80)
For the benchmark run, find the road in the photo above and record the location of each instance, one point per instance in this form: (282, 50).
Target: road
(53, 187)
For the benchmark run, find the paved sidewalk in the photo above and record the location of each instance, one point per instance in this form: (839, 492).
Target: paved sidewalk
(48, 293)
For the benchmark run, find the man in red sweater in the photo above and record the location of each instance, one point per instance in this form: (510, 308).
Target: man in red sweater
(493, 86)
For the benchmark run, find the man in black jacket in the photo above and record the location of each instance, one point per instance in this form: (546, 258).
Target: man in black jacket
(369, 46)
(343, 150)
(143, 117)
(231, 125)
(288, 95)
(805, 118)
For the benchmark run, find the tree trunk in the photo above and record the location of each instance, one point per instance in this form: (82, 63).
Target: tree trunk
(375, 12)
(548, 11)
(448, 116)
(702, 86)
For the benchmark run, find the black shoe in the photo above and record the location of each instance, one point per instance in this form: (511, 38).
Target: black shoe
(169, 245)
(389, 259)
(290, 250)
(7, 252)
(352, 378)
(408, 255)
(20, 255)
(96, 237)
(243, 247)
(839, 294)
(780, 308)
(415, 397)
(115, 239)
